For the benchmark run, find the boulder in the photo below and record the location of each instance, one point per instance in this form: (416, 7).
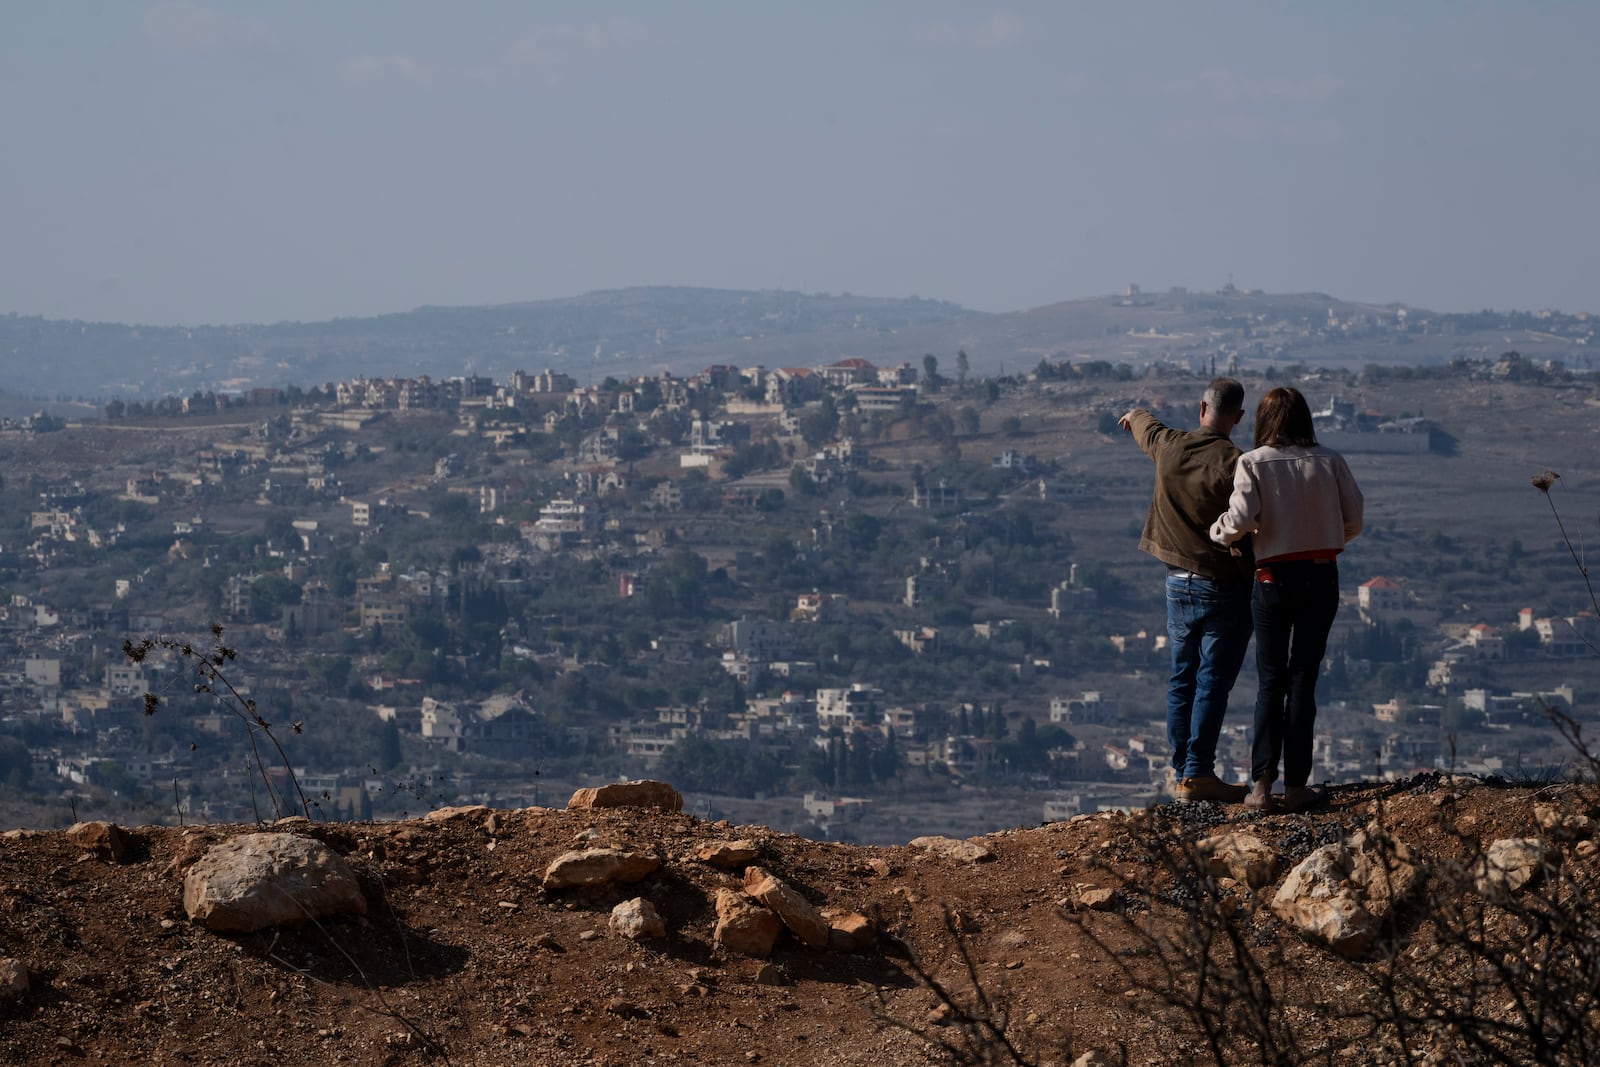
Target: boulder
(637, 920)
(1508, 865)
(106, 840)
(796, 911)
(1241, 856)
(598, 866)
(951, 848)
(728, 855)
(640, 794)
(259, 880)
(1343, 893)
(744, 926)
(13, 977)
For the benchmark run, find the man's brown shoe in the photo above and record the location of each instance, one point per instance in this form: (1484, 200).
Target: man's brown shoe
(1210, 787)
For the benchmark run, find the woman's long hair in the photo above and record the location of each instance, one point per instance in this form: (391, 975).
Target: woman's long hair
(1284, 418)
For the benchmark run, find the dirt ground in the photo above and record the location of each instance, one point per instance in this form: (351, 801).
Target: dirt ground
(464, 958)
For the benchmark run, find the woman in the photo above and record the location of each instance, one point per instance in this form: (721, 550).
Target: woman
(1301, 503)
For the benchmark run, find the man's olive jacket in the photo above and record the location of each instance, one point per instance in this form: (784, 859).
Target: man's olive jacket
(1194, 478)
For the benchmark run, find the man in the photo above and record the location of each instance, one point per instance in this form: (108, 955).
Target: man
(1208, 587)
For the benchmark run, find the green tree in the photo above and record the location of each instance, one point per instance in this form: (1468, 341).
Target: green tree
(271, 592)
(818, 425)
(862, 531)
(279, 530)
(389, 753)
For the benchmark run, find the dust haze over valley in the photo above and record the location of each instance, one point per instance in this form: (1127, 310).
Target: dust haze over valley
(455, 413)
(605, 512)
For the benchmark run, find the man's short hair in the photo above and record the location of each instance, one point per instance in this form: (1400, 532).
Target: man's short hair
(1225, 395)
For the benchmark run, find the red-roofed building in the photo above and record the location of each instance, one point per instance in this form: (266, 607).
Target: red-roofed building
(1381, 596)
(846, 372)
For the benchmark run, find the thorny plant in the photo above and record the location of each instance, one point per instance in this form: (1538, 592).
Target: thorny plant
(430, 1042)
(1475, 967)
(1180, 943)
(975, 1027)
(205, 666)
(1544, 483)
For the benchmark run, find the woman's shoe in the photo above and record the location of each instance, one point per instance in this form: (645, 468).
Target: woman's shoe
(1260, 797)
(1303, 797)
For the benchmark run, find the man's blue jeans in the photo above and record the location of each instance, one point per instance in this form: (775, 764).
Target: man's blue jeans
(1208, 625)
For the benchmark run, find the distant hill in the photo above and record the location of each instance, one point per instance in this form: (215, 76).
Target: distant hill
(614, 332)
(642, 330)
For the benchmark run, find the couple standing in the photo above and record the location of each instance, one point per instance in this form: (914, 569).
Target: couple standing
(1302, 507)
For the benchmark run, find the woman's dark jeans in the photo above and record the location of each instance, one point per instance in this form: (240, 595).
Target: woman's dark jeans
(1292, 605)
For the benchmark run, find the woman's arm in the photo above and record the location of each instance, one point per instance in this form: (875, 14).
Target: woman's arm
(1351, 502)
(1244, 506)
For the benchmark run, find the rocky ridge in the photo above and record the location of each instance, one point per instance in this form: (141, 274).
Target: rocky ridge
(638, 934)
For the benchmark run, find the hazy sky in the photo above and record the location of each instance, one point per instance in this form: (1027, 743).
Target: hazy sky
(195, 162)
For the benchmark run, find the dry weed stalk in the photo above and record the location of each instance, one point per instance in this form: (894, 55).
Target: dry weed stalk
(206, 667)
(974, 1026)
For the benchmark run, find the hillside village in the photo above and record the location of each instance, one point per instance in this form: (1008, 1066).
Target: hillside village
(853, 600)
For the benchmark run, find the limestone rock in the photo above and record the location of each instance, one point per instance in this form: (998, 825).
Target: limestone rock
(637, 920)
(640, 794)
(1343, 893)
(796, 911)
(598, 866)
(1094, 898)
(743, 926)
(849, 931)
(728, 855)
(1559, 821)
(13, 977)
(106, 840)
(259, 880)
(950, 848)
(446, 814)
(1507, 865)
(1241, 856)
